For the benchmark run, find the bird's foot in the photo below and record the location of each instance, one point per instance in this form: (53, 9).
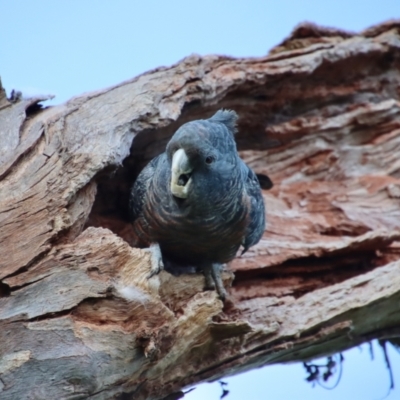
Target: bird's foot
(209, 284)
(157, 264)
(212, 274)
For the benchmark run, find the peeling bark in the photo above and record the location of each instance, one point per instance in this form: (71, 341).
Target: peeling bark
(78, 317)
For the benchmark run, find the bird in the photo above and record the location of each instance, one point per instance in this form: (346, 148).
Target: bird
(198, 203)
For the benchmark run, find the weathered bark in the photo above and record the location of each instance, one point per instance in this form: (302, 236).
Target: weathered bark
(79, 319)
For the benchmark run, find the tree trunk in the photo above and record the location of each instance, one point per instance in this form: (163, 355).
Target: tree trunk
(79, 319)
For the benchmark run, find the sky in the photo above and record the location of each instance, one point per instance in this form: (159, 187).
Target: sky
(66, 48)
(69, 47)
(362, 378)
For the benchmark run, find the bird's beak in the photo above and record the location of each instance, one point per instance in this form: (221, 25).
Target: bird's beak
(180, 174)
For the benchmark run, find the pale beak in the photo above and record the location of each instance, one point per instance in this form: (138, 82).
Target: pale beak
(180, 174)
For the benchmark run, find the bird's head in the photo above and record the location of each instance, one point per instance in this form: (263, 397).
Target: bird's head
(203, 155)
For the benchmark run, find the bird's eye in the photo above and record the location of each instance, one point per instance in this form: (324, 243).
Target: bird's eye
(209, 160)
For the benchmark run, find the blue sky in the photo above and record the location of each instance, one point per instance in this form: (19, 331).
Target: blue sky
(362, 379)
(69, 47)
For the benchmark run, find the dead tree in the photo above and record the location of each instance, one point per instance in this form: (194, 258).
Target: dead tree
(78, 319)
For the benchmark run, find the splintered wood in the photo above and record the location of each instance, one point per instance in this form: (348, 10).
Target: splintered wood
(79, 318)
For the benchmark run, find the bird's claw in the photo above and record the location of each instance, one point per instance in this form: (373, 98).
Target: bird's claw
(212, 274)
(209, 284)
(157, 264)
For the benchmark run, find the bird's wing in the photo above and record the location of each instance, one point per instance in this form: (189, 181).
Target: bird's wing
(140, 187)
(256, 224)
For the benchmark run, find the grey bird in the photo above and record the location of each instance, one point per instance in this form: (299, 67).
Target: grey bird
(198, 201)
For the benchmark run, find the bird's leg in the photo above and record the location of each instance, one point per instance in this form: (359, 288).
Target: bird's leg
(210, 285)
(212, 274)
(156, 260)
